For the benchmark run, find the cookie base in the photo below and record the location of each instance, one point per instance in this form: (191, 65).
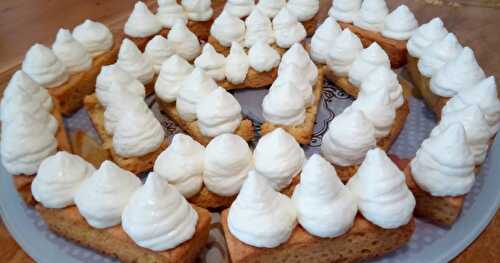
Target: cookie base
(422, 83)
(201, 28)
(114, 242)
(440, 210)
(363, 241)
(310, 25)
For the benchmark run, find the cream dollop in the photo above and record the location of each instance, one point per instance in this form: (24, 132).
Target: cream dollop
(169, 12)
(372, 15)
(113, 75)
(102, 197)
(378, 108)
(198, 10)
(381, 191)
(157, 51)
(94, 36)
(219, 112)
(485, 96)
(213, 63)
(123, 101)
(323, 39)
(270, 8)
(228, 28)
(71, 53)
(463, 72)
(476, 127)
(237, 64)
(239, 8)
(444, 164)
(193, 89)
(181, 164)
(293, 74)
(184, 42)
(425, 35)
(134, 62)
(297, 56)
(43, 66)
(386, 79)
(278, 157)
(436, 55)
(228, 159)
(137, 133)
(345, 10)
(173, 72)
(24, 144)
(59, 178)
(157, 217)
(368, 60)
(258, 28)
(273, 215)
(25, 103)
(284, 105)
(22, 83)
(400, 24)
(349, 137)
(263, 57)
(287, 29)
(142, 22)
(325, 207)
(303, 9)
(344, 51)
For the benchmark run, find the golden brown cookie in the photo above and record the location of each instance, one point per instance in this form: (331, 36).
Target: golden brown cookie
(114, 242)
(438, 210)
(363, 241)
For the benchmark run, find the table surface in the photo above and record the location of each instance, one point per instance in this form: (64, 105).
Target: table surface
(24, 22)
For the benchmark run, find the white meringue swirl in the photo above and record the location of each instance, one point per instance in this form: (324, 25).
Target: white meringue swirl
(43, 66)
(102, 197)
(58, 179)
(228, 159)
(173, 72)
(181, 164)
(380, 188)
(157, 217)
(444, 164)
(71, 53)
(213, 63)
(273, 214)
(278, 157)
(219, 112)
(349, 137)
(193, 89)
(142, 22)
(325, 207)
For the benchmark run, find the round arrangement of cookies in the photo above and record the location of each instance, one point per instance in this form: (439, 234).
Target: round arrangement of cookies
(348, 203)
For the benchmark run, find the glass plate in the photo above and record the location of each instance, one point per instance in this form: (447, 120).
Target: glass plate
(429, 243)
